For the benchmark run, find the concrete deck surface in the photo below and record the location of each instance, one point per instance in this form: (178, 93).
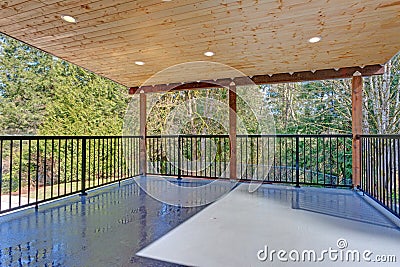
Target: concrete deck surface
(231, 231)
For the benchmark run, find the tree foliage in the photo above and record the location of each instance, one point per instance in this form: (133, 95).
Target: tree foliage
(84, 104)
(26, 86)
(40, 94)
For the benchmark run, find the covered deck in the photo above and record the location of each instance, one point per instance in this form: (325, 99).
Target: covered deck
(80, 200)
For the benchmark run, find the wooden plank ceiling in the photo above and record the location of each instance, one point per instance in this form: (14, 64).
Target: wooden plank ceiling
(256, 37)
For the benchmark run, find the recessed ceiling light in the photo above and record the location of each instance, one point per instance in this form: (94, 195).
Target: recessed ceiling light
(208, 54)
(315, 39)
(68, 18)
(139, 63)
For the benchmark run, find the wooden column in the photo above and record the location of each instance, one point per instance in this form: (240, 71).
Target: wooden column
(356, 100)
(232, 131)
(143, 133)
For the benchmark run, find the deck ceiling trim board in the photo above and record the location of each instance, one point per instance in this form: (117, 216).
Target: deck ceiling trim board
(255, 37)
(264, 79)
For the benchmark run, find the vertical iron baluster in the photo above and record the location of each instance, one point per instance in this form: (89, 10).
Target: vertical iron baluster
(211, 159)
(268, 159)
(397, 187)
(297, 162)
(304, 160)
(89, 168)
(59, 167)
(10, 182)
(52, 168)
(385, 177)
(157, 155)
(94, 161)
(112, 159)
(29, 170)
(169, 160)
(317, 169)
(228, 147)
(102, 160)
(45, 169)
(179, 158)
(274, 146)
(311, 162)
(72, 164)
(330, 158)
(383, 162)
(292, 159)
(324, 159)
(65, 166)
(391, 153)
(366, 155)
(83, 166)
(257, 160)
(247, 160)
(380, 170)
(37, 170)
(190, 156)
(344, 161)
(263, 159)
(337, 161)
(20, 173)
(286, 159)
(376, 169)
(120, 175)
(280, 158)
(77, 165)
(98, 161)
(107, 159)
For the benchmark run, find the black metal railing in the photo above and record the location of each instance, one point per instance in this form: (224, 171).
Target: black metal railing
(321, 160)
(35, 169)
(380, 169)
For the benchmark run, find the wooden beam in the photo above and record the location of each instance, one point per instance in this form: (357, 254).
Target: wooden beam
(143, 133)
(356, 100)
(264, 79)
(232, 131)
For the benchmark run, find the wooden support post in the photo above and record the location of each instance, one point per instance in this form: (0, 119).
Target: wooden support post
(143, 133)
(232, 131)
(356, 100)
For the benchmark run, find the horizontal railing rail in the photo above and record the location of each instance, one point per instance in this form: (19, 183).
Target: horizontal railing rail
(35, 169)
(380, 169)
(321, 160)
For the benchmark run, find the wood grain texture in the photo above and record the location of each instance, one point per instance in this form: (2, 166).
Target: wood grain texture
(356, 101)
(255, 37)
(232, 132)
(143, 133)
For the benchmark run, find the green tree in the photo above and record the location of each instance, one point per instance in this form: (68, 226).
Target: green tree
(84, 103)
(26, 85)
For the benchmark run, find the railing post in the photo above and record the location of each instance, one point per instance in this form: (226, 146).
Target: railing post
(356, 102)
(83, 175)
(297, 162)
(143, 133)
(179, 158)
(232, 132)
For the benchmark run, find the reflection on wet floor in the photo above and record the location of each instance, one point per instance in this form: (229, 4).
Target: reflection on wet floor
(106, 228)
